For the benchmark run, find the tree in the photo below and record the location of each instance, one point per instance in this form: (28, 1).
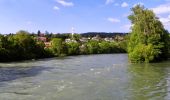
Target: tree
(93, 47)
(73, 48)
(104, 47)
(47, 33)
(83, 49)
(76, 37)
(39, 33)
(4, 53)
(58, 47)
(148, 40)
(26, 43)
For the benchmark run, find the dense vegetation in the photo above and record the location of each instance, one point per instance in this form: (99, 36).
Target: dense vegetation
(87, 35)
(148, 40)
(23, 45)
(60, 47)
(102, 34)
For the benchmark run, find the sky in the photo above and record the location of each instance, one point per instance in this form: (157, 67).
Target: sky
(59, 16)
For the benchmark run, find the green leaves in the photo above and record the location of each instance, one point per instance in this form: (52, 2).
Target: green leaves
(56, 46)
(148, 40)
(73, 48)
(20, 46)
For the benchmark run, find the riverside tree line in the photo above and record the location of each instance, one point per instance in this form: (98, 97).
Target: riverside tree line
(23, 46)
(148, 42)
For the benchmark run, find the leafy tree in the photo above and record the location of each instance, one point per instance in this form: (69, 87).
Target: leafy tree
(58, 47)
(104, 47)
(4, 53)
(41, 51)
(73, 48)
(77, 37)
(26, 43)
(21, 46)
(46, 32)
(93, 47)
(149, 40)
(122, 46)
(39, 33)
(114, 47)
(83, 49)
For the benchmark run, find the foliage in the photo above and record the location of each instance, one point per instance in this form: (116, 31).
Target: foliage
(102, 34)
(104, 47)
(73, 48)
(93, 47)
(23, 45)
(83, 49)
(149, 40)
(58, 47)
(20, 47)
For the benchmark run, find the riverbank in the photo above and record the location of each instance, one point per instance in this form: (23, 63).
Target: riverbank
(24, 46)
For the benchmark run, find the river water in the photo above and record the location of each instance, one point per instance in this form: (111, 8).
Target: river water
(90, 77)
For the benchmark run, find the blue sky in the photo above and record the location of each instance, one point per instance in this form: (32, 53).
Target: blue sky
(84, 15)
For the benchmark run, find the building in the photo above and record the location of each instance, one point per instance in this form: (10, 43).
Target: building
(47, 44)
(44, 39)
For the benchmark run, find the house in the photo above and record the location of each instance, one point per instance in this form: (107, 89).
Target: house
(108, 39)
(83, 40)
(70, 40)
(96, 38)
(119, 38)
(44, 39)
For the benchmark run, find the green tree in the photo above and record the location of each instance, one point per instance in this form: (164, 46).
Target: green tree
(104, 47)
(39, 33)
(114, 47)
(93, 47)
(26, 43)
(73, 48)
(77, 37)
(58, 47)
(20, 46)
(4, 53)
(148, 40)
(83, 49)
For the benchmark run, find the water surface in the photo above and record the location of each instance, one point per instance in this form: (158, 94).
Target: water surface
(90, 77)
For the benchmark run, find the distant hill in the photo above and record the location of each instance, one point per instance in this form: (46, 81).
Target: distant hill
(102, 34)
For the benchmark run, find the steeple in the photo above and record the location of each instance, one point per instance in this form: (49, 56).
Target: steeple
(72, 32)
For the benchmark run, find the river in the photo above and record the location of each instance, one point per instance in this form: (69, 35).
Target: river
(89, 77)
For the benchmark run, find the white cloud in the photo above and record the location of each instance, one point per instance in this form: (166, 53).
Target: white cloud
(162, 9)
(139, 3)
(65, 3)
(165, 21)
(56, 8)
(113, 20)
(124, 4)
(127, 27)
(109, 1)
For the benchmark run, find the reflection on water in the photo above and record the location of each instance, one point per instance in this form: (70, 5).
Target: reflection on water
(91, 77)
(149, 81)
